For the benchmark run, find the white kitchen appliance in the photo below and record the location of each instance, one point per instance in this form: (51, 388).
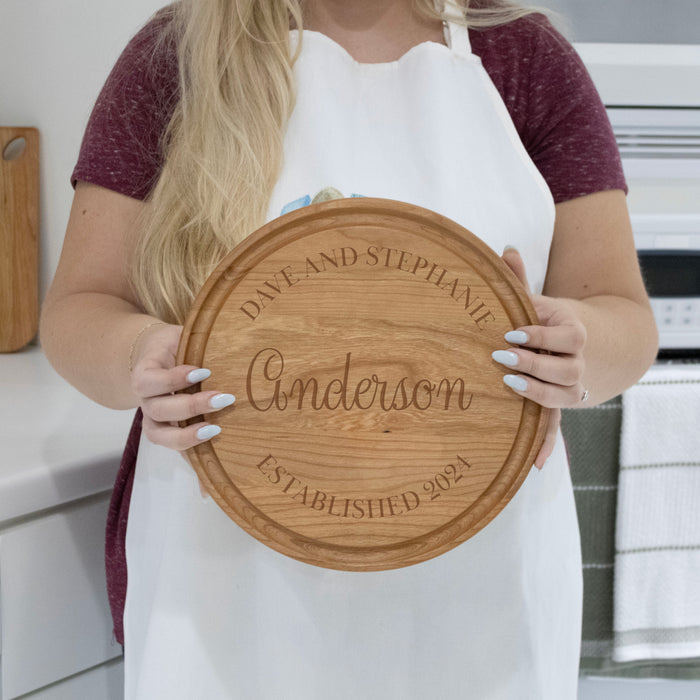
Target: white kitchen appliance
(644, 58)
(652, 93)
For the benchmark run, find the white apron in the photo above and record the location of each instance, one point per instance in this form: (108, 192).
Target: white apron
(211, 614)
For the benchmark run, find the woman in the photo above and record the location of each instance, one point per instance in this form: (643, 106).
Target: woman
(498, 128)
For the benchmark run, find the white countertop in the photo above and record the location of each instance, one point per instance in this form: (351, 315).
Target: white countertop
(56, 444)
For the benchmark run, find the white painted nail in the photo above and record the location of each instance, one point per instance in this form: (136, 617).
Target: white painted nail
(505, 357)
(198, 375)
(510, 247)
(221, 400)
(515, 382)
(517, 337)
(208, 432)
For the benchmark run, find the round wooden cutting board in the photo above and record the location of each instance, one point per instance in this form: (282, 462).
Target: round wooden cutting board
(371, 428)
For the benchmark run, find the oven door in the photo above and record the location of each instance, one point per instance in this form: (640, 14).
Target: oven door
(672, 278)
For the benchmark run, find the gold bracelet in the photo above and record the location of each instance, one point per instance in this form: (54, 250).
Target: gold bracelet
(136, 340)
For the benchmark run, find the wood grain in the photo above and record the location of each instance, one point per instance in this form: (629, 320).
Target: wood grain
(19, 240)
(372, 429)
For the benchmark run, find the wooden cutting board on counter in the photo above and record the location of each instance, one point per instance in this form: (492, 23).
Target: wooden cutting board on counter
(372, 429)
(19, 236)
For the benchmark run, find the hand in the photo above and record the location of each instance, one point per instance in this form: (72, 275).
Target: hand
(154, 378)
(554, 379)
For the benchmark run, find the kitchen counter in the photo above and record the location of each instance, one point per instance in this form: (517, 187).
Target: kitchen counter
(57, 445)
(60, 454)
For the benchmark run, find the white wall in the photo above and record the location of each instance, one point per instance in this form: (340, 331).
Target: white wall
(55, 55)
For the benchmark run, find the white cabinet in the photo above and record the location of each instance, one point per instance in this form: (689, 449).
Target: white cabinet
(53, 603)
(105, 682)
(56, 473)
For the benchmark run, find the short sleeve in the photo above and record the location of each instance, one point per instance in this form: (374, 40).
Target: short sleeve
(554, 105)
(122, 144)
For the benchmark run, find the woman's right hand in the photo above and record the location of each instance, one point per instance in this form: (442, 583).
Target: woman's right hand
(154, 378)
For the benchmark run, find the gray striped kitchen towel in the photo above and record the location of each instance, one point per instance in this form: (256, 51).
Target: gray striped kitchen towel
(592, 437)
(657, 558)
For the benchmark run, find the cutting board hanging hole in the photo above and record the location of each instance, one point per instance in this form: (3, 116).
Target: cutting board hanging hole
(14, 149)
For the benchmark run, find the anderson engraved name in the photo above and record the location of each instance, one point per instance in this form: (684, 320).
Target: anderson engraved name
(269, 388)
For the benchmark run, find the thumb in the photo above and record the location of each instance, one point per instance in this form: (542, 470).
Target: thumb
(511, 257)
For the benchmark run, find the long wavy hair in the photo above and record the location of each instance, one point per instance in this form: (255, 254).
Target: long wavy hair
(224, 142)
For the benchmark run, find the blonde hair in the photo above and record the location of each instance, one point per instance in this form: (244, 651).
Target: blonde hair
(223, 146)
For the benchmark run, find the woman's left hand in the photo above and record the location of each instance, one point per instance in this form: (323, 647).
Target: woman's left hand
(553, 378)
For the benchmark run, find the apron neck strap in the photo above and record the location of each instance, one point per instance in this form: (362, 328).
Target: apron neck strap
(457, 38)
(456, 35)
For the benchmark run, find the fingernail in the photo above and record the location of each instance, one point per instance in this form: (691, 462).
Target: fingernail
(208, 432)
(505, 357)
(221, 400)
(515, 382)
(517, 337)
(510, 247)
(198, 375)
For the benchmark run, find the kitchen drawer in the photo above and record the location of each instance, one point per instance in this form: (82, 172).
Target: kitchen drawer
(105, 682)
(54, 610)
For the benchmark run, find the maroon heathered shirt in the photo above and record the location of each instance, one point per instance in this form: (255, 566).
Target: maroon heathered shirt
(547, 90)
